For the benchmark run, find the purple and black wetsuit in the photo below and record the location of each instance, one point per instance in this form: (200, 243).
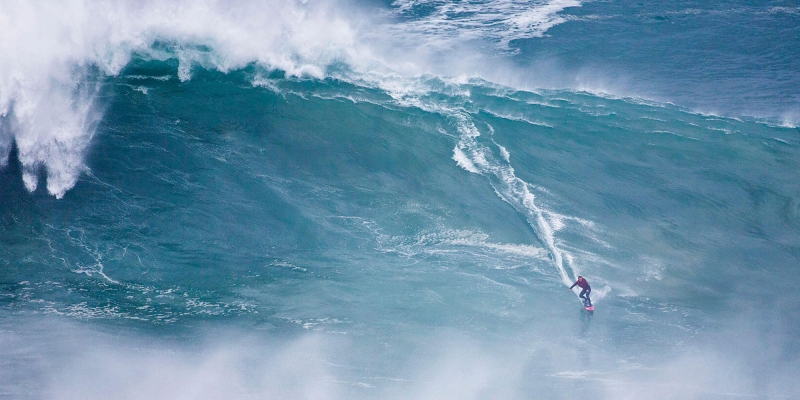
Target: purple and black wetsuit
(586, 289)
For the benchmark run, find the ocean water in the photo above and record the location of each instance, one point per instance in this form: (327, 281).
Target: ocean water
(389, 200)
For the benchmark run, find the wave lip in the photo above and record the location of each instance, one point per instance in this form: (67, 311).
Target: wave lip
(51, 52)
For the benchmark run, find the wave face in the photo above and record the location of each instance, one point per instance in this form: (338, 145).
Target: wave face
(338, 200)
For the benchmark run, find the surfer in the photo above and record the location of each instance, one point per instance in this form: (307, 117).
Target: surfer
(586, 289)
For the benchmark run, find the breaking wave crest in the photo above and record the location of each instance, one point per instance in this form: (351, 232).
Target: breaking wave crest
(56, 55)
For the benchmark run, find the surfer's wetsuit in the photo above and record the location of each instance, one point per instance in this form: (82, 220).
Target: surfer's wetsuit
(586, 289)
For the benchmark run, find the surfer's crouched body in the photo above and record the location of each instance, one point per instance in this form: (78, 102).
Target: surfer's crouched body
(586, 289)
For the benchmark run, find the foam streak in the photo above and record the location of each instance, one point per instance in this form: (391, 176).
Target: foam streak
(508, 187)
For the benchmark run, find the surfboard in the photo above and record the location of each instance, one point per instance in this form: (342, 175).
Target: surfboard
(588, 307)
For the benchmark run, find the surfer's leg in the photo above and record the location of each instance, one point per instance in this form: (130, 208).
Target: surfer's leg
(587, 296)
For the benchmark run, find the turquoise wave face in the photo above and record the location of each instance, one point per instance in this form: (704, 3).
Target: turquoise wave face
(375, 242)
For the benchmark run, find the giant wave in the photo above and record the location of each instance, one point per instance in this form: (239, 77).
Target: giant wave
(362, 200)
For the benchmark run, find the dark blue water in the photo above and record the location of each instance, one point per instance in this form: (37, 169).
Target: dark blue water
(732, 58)
(341, 200)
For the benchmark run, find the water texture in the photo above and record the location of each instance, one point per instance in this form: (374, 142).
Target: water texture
(388, 200)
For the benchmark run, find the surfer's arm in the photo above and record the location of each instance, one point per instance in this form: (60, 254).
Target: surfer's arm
(573, 285)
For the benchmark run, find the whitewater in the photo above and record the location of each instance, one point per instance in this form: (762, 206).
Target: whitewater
(388, 199)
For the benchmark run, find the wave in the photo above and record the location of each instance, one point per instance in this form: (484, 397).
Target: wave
(52, 51)
(56, 55)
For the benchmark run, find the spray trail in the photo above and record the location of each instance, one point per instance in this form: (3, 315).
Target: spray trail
(477, 158)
